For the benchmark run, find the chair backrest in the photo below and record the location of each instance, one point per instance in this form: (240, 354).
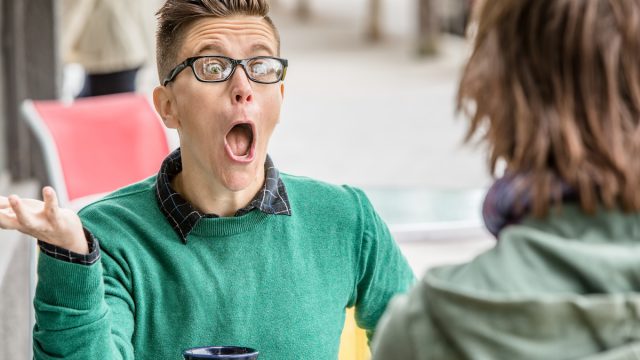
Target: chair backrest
(97, 145)
(354, 344)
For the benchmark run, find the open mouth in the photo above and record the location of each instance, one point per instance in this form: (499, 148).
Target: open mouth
(240, 142)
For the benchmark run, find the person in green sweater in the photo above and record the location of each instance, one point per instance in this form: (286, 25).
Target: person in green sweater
(553, 88)
(219, 248)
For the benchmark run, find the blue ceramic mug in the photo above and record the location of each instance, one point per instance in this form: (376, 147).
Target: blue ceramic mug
(220, 352)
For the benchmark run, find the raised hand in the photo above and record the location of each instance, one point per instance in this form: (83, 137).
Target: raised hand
(44, 220)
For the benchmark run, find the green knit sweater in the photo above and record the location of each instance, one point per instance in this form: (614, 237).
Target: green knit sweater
(279, 284)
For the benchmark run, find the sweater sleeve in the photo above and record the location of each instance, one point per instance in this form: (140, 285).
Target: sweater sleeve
(82, 312)
(382, 269)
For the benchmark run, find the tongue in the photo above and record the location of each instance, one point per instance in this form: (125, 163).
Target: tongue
(239, 140)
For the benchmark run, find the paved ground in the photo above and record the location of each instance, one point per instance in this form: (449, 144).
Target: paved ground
(373, 115)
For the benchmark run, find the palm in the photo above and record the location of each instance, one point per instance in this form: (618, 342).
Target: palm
(43, 220)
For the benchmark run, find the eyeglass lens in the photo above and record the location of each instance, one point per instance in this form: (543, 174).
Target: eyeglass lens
(219, 69)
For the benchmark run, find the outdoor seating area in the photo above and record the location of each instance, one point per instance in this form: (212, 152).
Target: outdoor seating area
(71, 138)
(449, 232)
(307, 179)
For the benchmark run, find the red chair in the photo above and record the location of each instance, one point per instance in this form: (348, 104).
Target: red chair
(96, 145)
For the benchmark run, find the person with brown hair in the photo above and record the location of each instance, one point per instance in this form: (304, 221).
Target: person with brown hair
(553, 88)
(219, 248)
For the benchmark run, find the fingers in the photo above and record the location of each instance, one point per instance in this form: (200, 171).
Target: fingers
(8, 218)
(22, 215)
(4, 202)
(32, 217)
(50, 203)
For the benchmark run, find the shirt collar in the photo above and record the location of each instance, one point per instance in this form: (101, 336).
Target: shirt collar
(183, 217)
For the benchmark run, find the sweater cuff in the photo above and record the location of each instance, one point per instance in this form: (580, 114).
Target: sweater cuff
(69, 285)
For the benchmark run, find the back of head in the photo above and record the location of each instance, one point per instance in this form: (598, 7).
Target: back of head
(175, 16)
(553, 86)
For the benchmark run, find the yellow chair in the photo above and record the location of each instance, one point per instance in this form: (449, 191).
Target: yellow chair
(353, 341)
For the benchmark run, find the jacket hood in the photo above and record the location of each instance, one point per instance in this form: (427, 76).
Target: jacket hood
(566, 285)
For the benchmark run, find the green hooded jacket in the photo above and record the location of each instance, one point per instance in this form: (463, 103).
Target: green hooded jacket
(566, 287)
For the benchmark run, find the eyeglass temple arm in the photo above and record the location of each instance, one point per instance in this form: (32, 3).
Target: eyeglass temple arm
(173, 73)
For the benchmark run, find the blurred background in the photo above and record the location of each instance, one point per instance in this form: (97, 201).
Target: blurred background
(364, 109)
(369, 101)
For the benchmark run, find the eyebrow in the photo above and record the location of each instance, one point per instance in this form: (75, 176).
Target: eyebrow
(216, 49)
(262, 47)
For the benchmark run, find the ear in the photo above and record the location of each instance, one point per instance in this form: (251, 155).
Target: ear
(165, 105)
(282, 90)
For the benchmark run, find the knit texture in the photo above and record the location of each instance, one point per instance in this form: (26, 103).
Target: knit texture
(279, 284)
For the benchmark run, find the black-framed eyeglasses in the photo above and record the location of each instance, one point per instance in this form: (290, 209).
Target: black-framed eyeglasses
(210, 68)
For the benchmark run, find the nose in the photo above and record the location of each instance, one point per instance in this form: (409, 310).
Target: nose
(241, 90)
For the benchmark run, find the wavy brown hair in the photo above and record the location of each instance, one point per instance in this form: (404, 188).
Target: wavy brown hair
(176, 15)
(553, 87)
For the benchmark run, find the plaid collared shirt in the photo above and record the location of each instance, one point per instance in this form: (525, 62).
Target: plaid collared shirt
(183, 217)
(70, 256)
